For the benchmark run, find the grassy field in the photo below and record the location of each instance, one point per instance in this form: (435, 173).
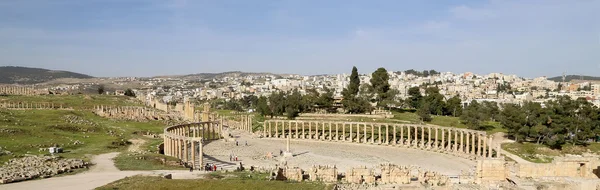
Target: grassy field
(149, 160)
(539, 153)
(80, 133)
(213, 181)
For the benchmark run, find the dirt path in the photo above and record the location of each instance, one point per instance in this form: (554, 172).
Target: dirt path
(136, 145)
(102, 173)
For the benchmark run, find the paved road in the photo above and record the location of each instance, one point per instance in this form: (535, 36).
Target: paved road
(102, 173)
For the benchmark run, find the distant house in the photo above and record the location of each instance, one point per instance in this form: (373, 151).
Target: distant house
(120, 92)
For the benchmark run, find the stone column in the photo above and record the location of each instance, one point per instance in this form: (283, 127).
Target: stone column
(310, 130)
(479, 147)
(422, 136)
(473, 145)
(428, 137)
(402, 135)
(395, 142)
(498, 149)
(201, 160)
(443, 138)
(387, 134)
(303, 131)
(344, 132)
(416, 136)
(365, 133)
(456, 141)
(337, 134)
(330, 134)
(289, 129)
(436, 138)
(276, 129)
(270, 128)
(467, 146)
(449, 146)
(462, 133)
(408, 135)
(378, 133)
(185, 151)
(351, 134)
(489, 155)
(297, 134)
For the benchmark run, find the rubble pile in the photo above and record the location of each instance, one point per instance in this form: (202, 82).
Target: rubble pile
(31, 167)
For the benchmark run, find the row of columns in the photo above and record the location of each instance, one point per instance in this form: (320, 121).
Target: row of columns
(17, 90)
(127, 110)
(446, 139)
(185, 141)
(26, 105)
(245, 123)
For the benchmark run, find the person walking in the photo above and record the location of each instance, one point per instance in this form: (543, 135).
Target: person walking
(191, 168)
(215, 167)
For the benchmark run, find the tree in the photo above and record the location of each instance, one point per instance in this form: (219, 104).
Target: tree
(415, 97)
(101, 89)
(453, 107)
(514, 120)
(293, 105)
(381, 85)
(352, 103)
(262, 106)
(435, 100)
(471, 115)
(423, 112)
(277, 103)
(353, 86)
(129, 93)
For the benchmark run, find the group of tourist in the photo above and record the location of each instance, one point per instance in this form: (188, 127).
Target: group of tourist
(210, 167)
(233, 158)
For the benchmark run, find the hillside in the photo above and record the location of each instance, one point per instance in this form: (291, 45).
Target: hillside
(569, 78)
(25, 75)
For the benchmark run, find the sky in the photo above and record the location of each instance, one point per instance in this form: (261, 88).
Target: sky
(106, 38)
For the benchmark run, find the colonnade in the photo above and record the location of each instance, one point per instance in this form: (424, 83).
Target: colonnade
(17, 90)
(30, 105)
(244, 124)
(460, 142)
(185, 141)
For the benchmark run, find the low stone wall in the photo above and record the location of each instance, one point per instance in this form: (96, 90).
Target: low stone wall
(390, 174)
(569, 166)
(31, 167)
(335, 115)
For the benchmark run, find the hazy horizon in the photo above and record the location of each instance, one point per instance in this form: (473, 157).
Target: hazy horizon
(109, 38)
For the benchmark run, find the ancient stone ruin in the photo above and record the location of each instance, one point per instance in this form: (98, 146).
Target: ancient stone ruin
(21, 90)
(31, 167)
(134, 113)
(31, 105)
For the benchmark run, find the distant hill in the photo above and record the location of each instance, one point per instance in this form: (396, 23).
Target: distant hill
(25, 75)
(569, 78)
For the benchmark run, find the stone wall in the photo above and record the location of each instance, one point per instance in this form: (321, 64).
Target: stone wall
(569, 166)
(323, 173)
(393, 174)
(491, 170)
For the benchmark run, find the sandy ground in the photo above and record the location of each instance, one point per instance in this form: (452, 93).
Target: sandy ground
(343, 155)
(102, 173)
